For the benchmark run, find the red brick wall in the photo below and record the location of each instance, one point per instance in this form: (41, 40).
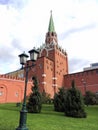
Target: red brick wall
(61, 67)
(44, 69)
(90, 77)
(53, 64)
(48, 79)
(12, 89)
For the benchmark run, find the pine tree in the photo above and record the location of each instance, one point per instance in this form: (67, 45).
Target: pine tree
(59, 99)
(74, 104)
(34, 104)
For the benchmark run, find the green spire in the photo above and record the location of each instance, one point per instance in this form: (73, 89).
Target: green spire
(51, 24)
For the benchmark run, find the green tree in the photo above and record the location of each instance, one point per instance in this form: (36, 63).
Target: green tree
(90, 98)
(34, 104)
(96, 94)
(59, 99)
(74, 104)
(46, 99)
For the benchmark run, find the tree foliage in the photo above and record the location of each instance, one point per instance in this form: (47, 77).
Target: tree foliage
(46, 99)
(74, 104)
(90, 98)
(59, 99)
(34, 104)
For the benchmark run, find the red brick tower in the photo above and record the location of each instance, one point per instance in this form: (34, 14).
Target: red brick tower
(52, 63)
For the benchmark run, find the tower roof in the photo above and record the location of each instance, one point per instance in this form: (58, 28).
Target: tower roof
(51, 24)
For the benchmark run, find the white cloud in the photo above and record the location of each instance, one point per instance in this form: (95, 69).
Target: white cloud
(24, 25)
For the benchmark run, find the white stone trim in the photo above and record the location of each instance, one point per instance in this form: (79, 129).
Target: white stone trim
(1, 93)
(43, 75)
(44, 83)
(54, 85)
(54, 78)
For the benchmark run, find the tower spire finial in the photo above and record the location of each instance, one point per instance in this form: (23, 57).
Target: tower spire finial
(51, 24)
(51, 12)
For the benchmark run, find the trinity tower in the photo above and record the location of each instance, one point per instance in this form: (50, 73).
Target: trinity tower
(52, 62)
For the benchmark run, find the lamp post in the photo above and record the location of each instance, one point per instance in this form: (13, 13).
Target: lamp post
(23, 59)
(84, 83)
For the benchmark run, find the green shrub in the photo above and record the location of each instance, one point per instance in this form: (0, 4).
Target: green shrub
(96, 94)
(74, 104)
(46, 99)
(90, 98)
(59, 99)
(34, 103)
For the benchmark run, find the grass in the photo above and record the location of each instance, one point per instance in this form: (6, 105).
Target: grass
(47, 119)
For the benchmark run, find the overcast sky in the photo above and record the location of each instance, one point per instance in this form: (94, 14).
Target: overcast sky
(24, 23)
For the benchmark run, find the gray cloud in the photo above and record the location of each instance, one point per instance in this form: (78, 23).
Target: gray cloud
(75, 30)
(77, 64)
(7, 52)
(6, 55)
(18, 4)
(16, 44)
(4, 2)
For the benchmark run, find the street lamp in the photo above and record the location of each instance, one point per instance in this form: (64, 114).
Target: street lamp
(23, 59)
(84, 83)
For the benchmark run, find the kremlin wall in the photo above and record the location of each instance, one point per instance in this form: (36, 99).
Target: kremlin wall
(51, 70)
(12, 89)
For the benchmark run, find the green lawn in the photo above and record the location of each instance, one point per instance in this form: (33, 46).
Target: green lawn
(47, 119)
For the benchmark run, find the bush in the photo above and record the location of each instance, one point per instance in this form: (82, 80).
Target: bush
(74, 104)
(59, 99)
(34, 104)
(90, 98)
(18, 104)
(46, 99)
(96, 94)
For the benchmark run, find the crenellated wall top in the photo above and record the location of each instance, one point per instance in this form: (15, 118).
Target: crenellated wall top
(12, 77)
